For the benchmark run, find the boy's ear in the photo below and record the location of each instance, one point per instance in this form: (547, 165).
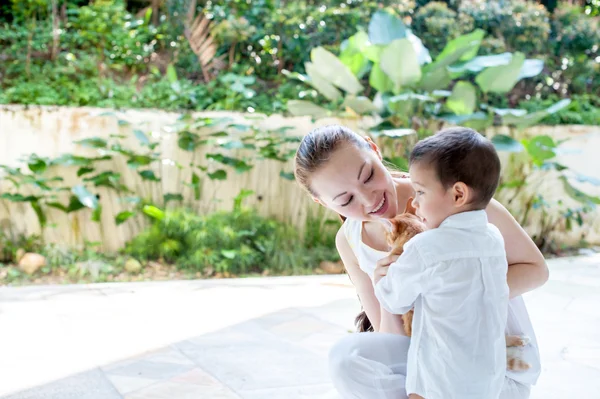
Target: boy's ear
(387, 225)
(462, 194)
(409, 207)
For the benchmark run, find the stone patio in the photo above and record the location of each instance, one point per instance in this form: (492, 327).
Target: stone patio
(245, 339)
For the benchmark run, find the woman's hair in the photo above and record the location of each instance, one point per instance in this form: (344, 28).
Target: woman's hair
(316, 149)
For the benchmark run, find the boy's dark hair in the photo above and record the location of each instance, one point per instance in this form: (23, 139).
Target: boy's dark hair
(460, 154)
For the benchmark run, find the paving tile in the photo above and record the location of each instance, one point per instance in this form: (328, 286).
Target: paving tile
(150, 370)
(321, 391)
(129, 384)
(91, 384)
(176, 390)
(197, 376)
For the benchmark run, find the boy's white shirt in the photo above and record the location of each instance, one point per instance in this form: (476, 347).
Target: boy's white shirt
(455, 277)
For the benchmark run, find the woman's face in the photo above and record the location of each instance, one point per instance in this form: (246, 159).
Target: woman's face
(355, 184)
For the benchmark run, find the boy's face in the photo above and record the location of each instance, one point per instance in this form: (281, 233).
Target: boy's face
(432, 201)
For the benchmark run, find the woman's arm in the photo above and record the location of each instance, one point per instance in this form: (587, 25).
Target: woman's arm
(528, 269)
(360, 280)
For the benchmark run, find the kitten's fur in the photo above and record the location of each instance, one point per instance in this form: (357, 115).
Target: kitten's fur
(401, 229)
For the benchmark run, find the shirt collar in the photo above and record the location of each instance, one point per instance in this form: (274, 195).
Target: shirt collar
(470, 219)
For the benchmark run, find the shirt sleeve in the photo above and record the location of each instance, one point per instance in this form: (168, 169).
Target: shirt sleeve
(404, 282)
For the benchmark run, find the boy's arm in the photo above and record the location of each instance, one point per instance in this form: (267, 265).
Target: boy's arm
(402, 283)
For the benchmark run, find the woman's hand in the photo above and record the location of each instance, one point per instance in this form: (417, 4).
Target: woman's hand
(382, 267)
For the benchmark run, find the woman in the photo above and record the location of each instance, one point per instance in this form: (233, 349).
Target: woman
(344, 172)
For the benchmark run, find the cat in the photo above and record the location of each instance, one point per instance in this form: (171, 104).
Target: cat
(400, 230)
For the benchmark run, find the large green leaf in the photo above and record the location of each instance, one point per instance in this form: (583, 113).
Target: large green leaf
(148, 175)
(463, 99)
(352, 53)
(373, 52)
(360, 105)
(463, 48)
(481, 62)
(435, 79)
(379, 80)
(238, 164)
(385, 28)
(400, 62)
(321, 84)
(531, 68)
(522, 121)
(506, 143)
(334, 71)
(502, 78)
(306, 108)
(478, 120)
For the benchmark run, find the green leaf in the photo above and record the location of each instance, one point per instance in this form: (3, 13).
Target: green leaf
(321, 84)
(36, 164)
(352, 53)
(463, 99)
(577, 194)
(360, 105)
(540, 148)
(481, 62)
(462, 48)
(522, 121)
(136, 161)
(188, 141)
(373, 52)
(399, 163)
(148, 175)
(84, 171)
(85, 197)
(228, 253)
(196, 184)
(171, 74)
(74, 204)
(502, 78)
(385, 28)
(334, 71)
(141, 136)
(97, 214)
(153, 212)
(123, 216)
(237, 201)
(435, 79)
(58, 205)
(400, 63)
(238, 164)
(218, 175)
(92, 142)
(287, 176)
(106, 179)
(41, 215)
(123, 122)
(306, 108)
(531, 68)
(506, 143)
(379, 80)
(477, 121)
(18, 197)
(172, 197)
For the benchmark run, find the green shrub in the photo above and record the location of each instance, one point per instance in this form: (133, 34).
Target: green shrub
(523, 25)
(574, 31)
(436, 24)
(237, 242)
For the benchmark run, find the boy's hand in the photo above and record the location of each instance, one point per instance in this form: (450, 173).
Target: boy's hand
(382, 267)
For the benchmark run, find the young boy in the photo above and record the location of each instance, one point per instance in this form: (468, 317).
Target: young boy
(454, 274)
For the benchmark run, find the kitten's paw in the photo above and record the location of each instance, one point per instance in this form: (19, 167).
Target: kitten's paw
(517, 340)
(517, 364)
